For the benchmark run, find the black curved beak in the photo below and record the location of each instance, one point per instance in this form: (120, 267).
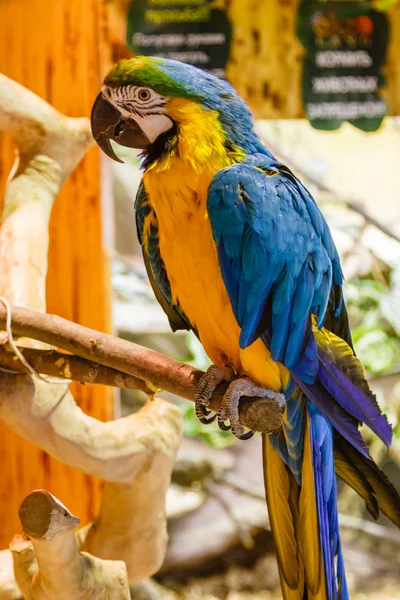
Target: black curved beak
(108, 124)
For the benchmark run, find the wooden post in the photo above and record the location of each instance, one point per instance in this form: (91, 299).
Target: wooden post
(53, 48)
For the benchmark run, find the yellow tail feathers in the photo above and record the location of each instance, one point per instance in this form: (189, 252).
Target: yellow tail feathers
(294, 523)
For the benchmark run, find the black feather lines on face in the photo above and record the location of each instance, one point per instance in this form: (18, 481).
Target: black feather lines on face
(164, 144)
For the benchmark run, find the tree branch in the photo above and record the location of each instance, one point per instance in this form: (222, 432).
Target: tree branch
(50, 145)
(68, 366)
(154, 368)
(39, 129)
(163, 372)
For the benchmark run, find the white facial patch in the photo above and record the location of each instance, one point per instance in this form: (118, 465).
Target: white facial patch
(142, 104)
(154, 125)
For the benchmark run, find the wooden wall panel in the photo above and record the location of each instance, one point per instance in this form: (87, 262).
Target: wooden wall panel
(265, 58)
(52, 47)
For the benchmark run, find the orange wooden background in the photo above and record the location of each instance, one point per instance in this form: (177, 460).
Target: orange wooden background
(53, 48)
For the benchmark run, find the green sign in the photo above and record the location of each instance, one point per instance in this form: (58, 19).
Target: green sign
(342, 78)
(187, 30)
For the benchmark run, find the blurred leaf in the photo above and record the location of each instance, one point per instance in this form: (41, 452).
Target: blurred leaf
(374, 326)
(211, 434)
(390, 302)
(199, 358)
(378, 352)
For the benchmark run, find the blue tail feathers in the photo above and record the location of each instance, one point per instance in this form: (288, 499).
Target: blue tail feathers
(321, 437)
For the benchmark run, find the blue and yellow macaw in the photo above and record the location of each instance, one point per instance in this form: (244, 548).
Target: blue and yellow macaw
(237, 251)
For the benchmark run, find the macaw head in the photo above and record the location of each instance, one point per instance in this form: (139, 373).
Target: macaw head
(147, 101)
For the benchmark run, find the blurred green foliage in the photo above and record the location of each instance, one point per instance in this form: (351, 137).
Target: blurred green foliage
(211, 434)
(374, 312)
(373, 324)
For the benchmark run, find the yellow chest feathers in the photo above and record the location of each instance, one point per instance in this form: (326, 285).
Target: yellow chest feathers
(178, 197)
(177, 191)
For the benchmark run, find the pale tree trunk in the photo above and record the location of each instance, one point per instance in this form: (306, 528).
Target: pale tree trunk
(134, 455)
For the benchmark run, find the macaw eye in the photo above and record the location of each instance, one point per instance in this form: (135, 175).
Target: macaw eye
(144, 94)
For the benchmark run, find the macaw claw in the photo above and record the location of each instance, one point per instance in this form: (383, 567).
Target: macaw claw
(229, 411)
(205, 389)
(210, 381)
(230, 406)
(203, 414)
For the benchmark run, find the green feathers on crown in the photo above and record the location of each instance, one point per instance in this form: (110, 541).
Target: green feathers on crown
(145, 71)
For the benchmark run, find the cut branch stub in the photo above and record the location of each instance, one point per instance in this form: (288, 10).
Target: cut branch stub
(42, 516)
(61, 571)
(261, 414)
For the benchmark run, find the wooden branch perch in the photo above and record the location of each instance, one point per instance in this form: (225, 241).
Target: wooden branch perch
(155, 369)
(8, 586)
(134, 454)
(62, 571)
(123, 530)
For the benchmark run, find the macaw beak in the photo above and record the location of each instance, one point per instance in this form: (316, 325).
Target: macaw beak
(108, 124)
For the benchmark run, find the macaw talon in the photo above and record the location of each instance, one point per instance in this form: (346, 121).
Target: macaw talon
(203, 414)
(246, 436)
(223, 414)
(221, 423)
(210, 381)
(230, 408)
(207, 420)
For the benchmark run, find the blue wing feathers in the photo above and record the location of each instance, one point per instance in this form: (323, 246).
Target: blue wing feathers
(263, 225)
(353, 399)
(344, 423)
(278, 260)
(304, 294)
(281, 270)
(230, 280)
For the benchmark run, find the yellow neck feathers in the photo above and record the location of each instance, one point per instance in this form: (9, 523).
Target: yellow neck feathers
(201, 140)
(177, 183)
